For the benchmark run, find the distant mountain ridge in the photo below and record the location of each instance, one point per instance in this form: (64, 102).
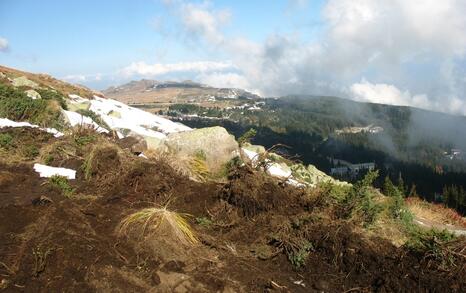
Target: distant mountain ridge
(148, 91)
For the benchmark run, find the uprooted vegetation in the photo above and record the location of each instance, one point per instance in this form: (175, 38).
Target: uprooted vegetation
(125, 228)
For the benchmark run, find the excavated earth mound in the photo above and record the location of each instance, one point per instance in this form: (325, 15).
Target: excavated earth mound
(256, 234)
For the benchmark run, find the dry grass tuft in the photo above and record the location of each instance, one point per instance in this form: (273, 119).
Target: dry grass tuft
(160, 222)
(194, 168)
(104, 159)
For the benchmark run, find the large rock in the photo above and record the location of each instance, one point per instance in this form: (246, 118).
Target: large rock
(24, 81)
(33, 94)
(313, 176)
(215, 142)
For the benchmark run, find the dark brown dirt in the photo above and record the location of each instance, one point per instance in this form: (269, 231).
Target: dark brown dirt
(256, 226)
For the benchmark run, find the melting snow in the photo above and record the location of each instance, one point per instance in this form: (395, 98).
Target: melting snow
(250, 154)
(78, 119)
(277, 171)
(4, 122)
(47, 171)
(136, 120)
(274, 169)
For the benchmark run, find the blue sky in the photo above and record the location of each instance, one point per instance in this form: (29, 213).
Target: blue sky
(87, 37)
(389, 51)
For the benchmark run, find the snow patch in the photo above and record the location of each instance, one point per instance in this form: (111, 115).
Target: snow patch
(277, 171)
(78, 119)
(136, 120)
(4, 122)
(75, 99)
(47, 171)
(274, 169)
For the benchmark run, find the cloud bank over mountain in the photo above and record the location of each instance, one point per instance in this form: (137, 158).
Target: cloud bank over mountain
(387, 51)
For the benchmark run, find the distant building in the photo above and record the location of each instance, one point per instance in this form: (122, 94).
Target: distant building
(454, 154)
(352, 169)
(339, 171)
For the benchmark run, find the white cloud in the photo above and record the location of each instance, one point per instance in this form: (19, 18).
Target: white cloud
(390, 94)
(4, 46)
(225, 80)
(144, 69)
(81, 78)
(200, 20)
(383, 40)
(386, 94)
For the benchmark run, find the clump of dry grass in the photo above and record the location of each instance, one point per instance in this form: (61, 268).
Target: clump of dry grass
(103, 159)
(435, 212)
(193, 167)
(161, 222)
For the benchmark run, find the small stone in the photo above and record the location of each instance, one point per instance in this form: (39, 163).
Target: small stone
(155, 278)
(42, 201)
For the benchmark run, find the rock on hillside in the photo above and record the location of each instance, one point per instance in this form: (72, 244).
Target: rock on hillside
(215, 143)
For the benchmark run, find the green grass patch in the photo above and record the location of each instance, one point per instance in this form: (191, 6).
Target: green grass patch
(204, 222)
(5, 140)
(30, 151)
(84, 139)
(61, 183)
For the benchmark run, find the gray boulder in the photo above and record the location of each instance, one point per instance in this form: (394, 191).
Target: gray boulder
(33, 94)
(24, 81)
(215, 143)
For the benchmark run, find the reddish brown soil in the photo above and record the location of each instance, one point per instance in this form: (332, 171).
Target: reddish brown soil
(70, 245)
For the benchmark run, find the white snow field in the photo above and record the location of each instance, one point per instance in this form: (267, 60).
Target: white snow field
(78, 119)
(120, 116)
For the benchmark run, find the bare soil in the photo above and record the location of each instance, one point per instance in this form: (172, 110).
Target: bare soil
(50, 243)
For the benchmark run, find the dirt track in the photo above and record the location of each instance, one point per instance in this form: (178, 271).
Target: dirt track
(429, 224)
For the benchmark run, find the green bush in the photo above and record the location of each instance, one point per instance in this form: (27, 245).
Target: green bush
(53, 95)
(298, 257)
(17, 106)
(359, 201)
(247, 136)
(61, 183)
(434, 245)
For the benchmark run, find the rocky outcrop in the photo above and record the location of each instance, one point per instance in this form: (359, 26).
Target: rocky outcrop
(312, 175)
